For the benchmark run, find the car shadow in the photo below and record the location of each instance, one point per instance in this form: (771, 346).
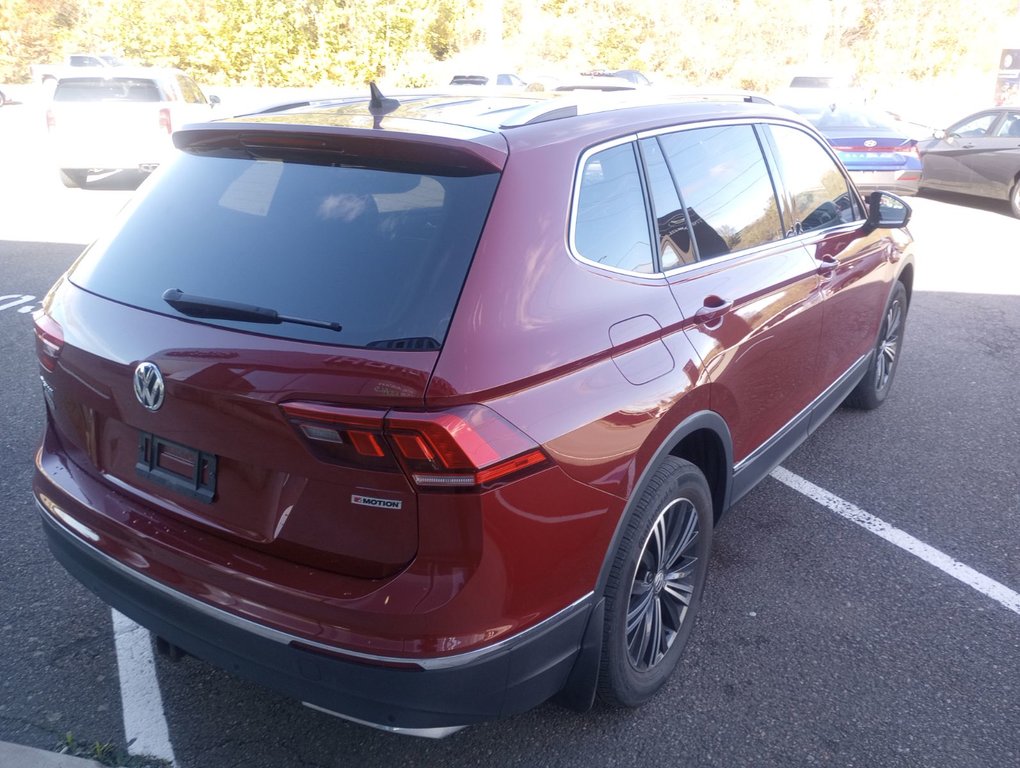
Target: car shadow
(969, 201)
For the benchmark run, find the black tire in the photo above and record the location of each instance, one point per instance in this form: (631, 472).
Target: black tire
(872, 390)
(73, 178)
(655, 585)
(1014, 199)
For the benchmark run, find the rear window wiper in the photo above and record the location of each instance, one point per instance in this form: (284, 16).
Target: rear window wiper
(220, 309)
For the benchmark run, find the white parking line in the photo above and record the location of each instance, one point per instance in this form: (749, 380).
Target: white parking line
(986, 586)
(144, 722)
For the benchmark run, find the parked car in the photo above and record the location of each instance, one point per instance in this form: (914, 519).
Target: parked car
(423, 411)
(75, 64)
(879, 151)
(123, 121)
(978, 155)
(632, 76)
(500, 79)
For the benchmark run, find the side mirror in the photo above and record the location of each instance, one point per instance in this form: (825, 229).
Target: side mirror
(214, 100)
(940, 133)
(887, 211)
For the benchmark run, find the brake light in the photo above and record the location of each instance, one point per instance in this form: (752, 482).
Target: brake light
(164, 120)
(467, 447)
(49, 340)
(51, 120)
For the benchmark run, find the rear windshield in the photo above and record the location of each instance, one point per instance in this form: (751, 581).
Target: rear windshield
(107, 89)
(382, 253)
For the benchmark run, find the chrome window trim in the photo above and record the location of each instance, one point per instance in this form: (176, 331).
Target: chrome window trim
(572, 226)
(60, 517)
(799, 239)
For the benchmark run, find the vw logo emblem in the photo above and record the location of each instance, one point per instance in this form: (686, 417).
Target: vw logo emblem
(149, 386)
(871, 143)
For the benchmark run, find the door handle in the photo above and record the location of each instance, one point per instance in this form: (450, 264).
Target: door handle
(712, 309)
(827, 264)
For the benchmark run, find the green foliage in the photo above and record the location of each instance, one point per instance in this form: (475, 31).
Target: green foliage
(749, 43)
(106, 753)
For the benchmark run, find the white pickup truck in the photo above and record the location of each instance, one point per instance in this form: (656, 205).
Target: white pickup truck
(120, 119)
(73, 64)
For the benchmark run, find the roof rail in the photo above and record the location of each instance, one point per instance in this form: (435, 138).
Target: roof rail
(554, 109)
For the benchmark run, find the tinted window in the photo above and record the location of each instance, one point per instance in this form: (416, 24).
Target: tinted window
(675, 248)
(817, 188)
(841, 118)
(612, 222)
(726, 187)
(382, 253)
(107, 89)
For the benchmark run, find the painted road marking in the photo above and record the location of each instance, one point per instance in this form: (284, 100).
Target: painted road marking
(14, 299)
(144, 722)
(986, 586)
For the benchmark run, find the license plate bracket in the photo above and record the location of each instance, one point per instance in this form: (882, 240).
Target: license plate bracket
(179, 467)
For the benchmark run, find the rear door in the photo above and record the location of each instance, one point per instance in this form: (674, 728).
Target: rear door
(749, 295)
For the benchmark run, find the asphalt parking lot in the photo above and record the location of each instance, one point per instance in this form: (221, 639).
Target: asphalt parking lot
(820, 642)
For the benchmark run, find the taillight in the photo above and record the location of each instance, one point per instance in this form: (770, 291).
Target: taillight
(51, 120)
(164, 121)
(49, 340)
(467, 447)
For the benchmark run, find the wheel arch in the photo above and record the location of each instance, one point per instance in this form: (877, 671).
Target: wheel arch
(906, 276)
(704, 440)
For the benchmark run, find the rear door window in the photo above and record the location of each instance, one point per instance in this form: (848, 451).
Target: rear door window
(380, 252)
(725, 186)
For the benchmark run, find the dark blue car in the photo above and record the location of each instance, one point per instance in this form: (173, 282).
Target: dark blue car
(876, 149)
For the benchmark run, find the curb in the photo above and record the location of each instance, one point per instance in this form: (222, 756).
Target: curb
(18, 756)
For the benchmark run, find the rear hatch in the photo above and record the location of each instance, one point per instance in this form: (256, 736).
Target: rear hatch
(95, 118)
(865, 138)
(287, 297)
(863, 151)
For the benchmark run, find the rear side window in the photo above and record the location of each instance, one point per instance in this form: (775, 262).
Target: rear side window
(726, 187)
(611, 224)
(818, 191)
(107, 89)
(382, 253)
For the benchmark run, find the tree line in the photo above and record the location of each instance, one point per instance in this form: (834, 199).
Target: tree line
(735, 43)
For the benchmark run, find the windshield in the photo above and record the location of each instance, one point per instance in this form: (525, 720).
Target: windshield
(383, 254)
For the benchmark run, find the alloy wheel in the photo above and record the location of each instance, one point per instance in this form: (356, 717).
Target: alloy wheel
(663, 584)
(889, 347)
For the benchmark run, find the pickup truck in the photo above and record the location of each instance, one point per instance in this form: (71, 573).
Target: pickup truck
(120, 119)
(73, 64)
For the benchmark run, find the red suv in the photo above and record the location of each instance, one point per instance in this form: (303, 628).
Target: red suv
(423, 412)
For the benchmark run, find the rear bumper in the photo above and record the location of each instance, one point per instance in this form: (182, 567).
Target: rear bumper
(427, 697)
(903, 182)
